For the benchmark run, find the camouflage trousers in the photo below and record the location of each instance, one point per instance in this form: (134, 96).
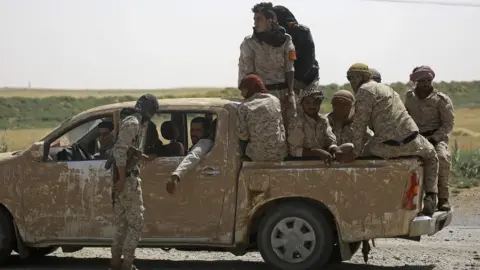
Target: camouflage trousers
(444, 165)
(419, 147)
(287, 112)
(128, 220)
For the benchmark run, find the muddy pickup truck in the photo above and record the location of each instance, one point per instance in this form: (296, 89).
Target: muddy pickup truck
(298, 213)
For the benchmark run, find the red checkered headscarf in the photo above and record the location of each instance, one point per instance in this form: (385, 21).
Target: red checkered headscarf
(253, 84)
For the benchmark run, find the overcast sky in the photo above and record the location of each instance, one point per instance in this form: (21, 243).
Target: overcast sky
(188, 43)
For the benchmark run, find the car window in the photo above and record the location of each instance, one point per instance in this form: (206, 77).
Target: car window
(77, 133)
(193, 130)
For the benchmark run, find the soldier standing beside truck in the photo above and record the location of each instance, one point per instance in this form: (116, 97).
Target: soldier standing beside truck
(433, 113)
(270, 54)
(128, 205)
(395, 132)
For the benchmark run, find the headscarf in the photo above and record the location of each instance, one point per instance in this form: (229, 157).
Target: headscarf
(422, 72)
(359, 68)
(277, 36)
(285, 17)
(316, 93)
(253, 84)
(344, 95)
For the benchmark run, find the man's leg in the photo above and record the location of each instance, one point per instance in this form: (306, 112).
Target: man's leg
(418, 147)
(134, 217)
(120, 222)
(444, 165)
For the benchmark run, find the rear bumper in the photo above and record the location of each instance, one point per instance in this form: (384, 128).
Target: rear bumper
(430, 225)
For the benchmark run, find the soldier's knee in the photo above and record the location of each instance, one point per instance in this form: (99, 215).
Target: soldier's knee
(443, 156)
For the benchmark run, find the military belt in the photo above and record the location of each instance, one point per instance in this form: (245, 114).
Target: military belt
(408, 139)
(428, 133)
(276, 86)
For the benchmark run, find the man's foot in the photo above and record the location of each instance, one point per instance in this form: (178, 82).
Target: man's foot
(429, 204)
(128, 266)
(444, 205)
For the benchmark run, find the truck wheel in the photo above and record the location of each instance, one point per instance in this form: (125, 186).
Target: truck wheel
(295, 237)
(7, 235)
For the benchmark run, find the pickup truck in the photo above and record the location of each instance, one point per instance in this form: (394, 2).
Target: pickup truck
(299, 214)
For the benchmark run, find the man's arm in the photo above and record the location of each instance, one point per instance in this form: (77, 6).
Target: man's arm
(246, 62)
(290, 57)
(330, 139)
(447, 117)
(364, 101)
(242, 127)
(193, 157)
(295, 138)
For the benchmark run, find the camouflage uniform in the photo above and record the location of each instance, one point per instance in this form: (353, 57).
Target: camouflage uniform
(259, 120)
(435, 118)
(195, 154)
(268, 62)
(380, 107)
(128, 208)
(307, 132)
(344, 132)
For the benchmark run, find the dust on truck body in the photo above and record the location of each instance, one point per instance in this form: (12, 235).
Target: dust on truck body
(298, 213)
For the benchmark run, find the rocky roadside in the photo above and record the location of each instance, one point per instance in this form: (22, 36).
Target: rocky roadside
(456, 247)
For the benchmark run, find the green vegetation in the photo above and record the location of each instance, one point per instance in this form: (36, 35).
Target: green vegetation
(465, 168)
(20, 112)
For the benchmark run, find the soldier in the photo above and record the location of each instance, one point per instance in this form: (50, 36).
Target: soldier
(376, 76)
(128, 206)
(306, 66)
(259, 121)
(309, 134)
(270, 54)
(433, 113)
(341, 117)
(395, 132)
(202, 143)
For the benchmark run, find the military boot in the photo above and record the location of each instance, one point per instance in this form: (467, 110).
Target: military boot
(444, 205)
(429, 204)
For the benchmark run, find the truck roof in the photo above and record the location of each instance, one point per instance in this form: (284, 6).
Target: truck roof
(166, 104)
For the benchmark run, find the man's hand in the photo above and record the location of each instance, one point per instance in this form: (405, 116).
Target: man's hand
(148, 157)
(290, 100)
(325, 156)
(172, 184)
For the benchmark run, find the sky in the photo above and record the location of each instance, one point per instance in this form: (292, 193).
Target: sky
(142, 44)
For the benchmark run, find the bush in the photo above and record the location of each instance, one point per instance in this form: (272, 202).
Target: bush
(3, 143)
(465, 168)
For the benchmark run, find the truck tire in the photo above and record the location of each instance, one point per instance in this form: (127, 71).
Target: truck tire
(295, 237)
(7, 235)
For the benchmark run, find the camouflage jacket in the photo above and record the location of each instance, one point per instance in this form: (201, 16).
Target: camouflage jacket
(259, 121)
(433, 114)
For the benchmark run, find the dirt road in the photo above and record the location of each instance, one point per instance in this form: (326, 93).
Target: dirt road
(456, 247)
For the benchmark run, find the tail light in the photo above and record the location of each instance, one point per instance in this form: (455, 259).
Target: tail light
(412, 193)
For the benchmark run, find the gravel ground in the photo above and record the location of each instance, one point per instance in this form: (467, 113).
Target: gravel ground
(455, 247)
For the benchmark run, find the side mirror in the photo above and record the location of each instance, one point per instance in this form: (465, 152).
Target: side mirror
(37, 150)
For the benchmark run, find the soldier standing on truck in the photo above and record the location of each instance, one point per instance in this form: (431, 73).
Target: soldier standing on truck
(309, 134)
(341, 117)
(306, 66)
(433, 113)
(269, 53)
(259, 121)
(128, 206)
(395, 132)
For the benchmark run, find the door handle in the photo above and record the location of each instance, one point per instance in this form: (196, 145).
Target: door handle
(209, 171)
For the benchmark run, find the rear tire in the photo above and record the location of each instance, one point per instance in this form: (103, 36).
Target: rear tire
(295, 236)
(7, 235)
(35, 253)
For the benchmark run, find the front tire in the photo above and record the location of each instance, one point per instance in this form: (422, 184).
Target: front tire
(295, 237)
(7, 235)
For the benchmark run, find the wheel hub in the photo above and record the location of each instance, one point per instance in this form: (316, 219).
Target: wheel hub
(293, 239)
